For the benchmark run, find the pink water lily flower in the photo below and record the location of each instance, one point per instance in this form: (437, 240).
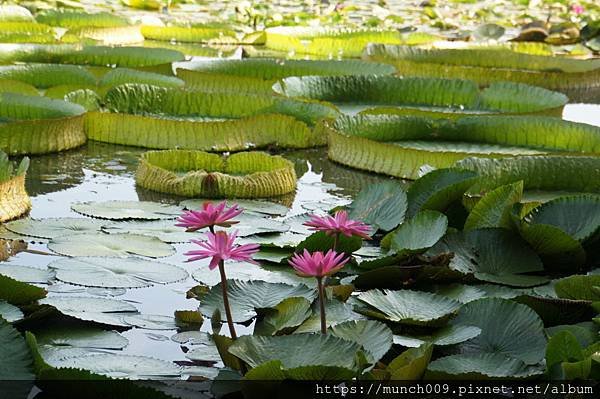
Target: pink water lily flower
(578, 9)
(317, 264)
(221, 247)
(339, 224)
(210, 215)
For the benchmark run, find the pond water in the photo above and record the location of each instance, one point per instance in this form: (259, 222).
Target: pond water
(100, 172)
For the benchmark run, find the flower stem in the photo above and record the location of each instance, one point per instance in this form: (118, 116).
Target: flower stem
(322, 305)
(226, 300)
(212, 229)
(336, 238)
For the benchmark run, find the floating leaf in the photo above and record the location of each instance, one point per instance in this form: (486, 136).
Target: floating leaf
(448, 335)
(18, 293)
(374, 336)
(411, 364)
(507, 328)
(263, 207)
(51, 228)
(247, 296)
(317, 350)
(25, 274)
(579, 287)
(419, 233)
(337, 312)
(81, 337)
(16, 363)
(124, 210)
(409, 307)
(381, 205)
(111, 245)
(285, 316)
(164, 230)
(10, 312)
(116, 273)
(150, 322)
(480, 365)
(99, 310)
(493, 210)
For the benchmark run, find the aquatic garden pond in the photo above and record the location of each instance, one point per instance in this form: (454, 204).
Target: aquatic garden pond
(197, 198)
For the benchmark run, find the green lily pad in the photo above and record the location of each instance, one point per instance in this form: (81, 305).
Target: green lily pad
(18, 293)
(316, 350)
(492, 254)
(245, 271)
(576, 215)
(419, 233)
(480, 365)
(374, 336)
(285, 316)
(116, 273)
(10, 312)
(125, 210)
(448, 335)
(408, 307)
(438, 189)
(411, 364)
(381, 205)
(337, 312)
(25, 274)
(150, 322)
(53, 227)
(110, 245)
(262, 207)
(100, 310)
(247, 296)
(81, 337)
(579, 287)
(16, 362)
(120, 366)
(493, 210)
(507, 328)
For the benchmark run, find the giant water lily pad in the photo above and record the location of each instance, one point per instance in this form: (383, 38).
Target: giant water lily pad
(419, 233)
(51, 228)
(247, 296)
(99, 310)
(200, 174)
(110, 245)
(25, 274)
(408, 307)
(507, 328)
(16, 362)
(124, 210)
(116, 273)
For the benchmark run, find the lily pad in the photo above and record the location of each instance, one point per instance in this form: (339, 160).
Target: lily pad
(261, 207)
(408, 307)
(247, 296)
(110, 245)
(120, 366)
(419, 233)
(116, 273)
(10, 312)
(448, 335)
(337, 312)
(53, 227)
(81, 337)
(150, 322)
(507, 328)
(478, 365)
(16, 362)
(18, 293)
(99, 310)
(374, 336)
(25, 274)
(125, 210)
(380, 205)
(164, 230)
(245, 271)
(317, 350)
(411, 364)
(285, 316)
